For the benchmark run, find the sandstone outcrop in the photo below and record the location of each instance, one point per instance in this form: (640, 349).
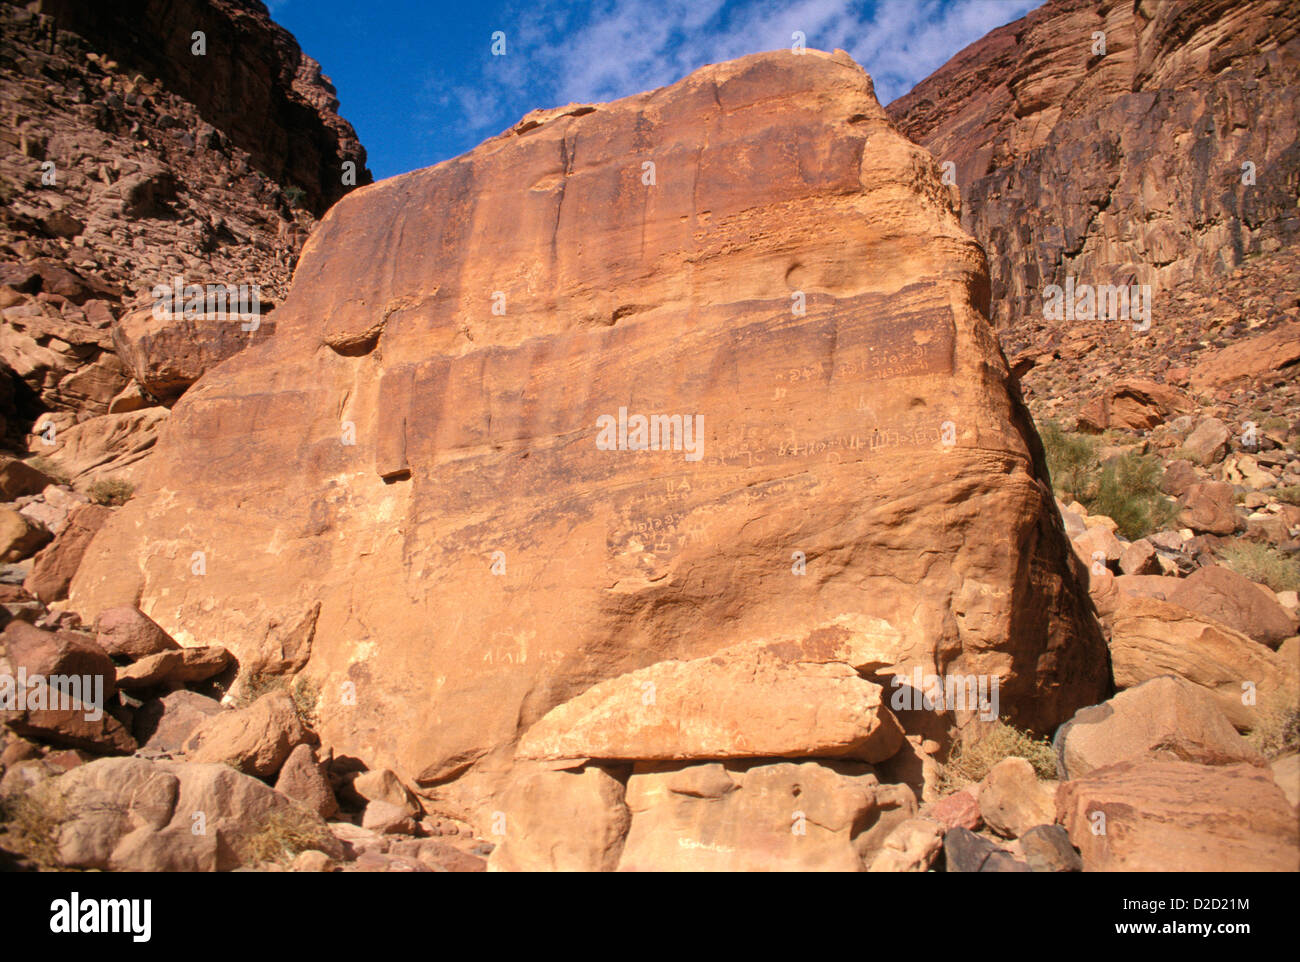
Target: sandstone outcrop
(752, 254)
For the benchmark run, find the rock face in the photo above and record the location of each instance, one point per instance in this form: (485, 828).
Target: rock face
(422, 447)
(130, 160)
(1057, 141)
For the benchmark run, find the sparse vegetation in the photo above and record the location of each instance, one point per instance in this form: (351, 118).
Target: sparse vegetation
(1278, 731)
(1263, 563)
(1125, 489)
(304, 691)
(295, 195)
(112, 492)
(978, 749)
(33, 821)
(282, 835)
(1290, 494)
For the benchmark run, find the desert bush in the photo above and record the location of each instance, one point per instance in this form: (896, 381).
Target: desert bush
(33, 820)
(1262, 563)
(304, 692)
(1128, 492)
(1071, 460)
(1278, 730)
(294, 195)
(979, 748)
(1290, 494)
(113, 492)
(1125, 489)
(282, 835)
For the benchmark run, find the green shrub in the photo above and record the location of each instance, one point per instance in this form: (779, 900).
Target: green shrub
(294, 195)
(1262, 563)
(1290, 494)
(1126, 489)
(979, 748)
(1071, 461)
(1128, 492)
(113, 492)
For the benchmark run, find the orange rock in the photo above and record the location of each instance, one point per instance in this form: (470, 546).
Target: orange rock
(416, 448)
(1159, 815)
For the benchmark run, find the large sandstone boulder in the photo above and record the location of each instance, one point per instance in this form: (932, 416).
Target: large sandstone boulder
(749, 701)
(54, 567)
(1151, 638)
(256, 740)
(421, 448)
(1165, 815)
(1166, 717)
(1222, 594)
(746, 817)
(130, 814)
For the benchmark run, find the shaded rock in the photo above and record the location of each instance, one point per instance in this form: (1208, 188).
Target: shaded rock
(964, 851)
(302, 779)
(164, 724)
(55, 566)
(129, 633)
(18, 478)
(19, 538)
(1047, 848)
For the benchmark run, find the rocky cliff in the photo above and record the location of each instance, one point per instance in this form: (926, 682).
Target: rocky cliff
(128, 160)
(1119, 142)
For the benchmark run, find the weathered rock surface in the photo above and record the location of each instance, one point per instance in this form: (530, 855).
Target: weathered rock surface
(866, 457)
(806, 816)
(750, 701)
(1151, 638)
(1166, 717)
(129, 814)
(1012, 800)
(1055, 145)
(1222, 594)
(57, 563)
(256, 740)
(1163, 815)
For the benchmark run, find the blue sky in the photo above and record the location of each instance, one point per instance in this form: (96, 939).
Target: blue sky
(418, 80)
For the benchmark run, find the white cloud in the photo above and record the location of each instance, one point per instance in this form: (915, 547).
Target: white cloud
(615, 48)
